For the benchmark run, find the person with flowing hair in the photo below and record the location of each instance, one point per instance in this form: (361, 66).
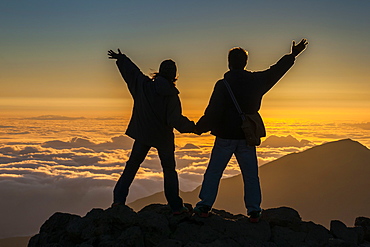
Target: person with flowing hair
(156, 112)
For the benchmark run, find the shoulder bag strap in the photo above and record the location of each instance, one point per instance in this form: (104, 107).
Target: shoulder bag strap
(241, 113)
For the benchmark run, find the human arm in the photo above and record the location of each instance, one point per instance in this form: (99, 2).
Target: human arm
(175, 118)
(129, 71)
(278, 70)
(212, 112)
(297, 49)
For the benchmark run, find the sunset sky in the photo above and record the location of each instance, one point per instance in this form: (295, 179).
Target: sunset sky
(53, 61)
(53, 53)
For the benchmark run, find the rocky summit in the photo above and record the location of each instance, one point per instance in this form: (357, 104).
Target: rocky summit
(155, 225)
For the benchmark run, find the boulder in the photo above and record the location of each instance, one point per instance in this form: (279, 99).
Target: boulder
(282, 216)
(54, 230)
(365, 224)
(155, 225)
(352, 235)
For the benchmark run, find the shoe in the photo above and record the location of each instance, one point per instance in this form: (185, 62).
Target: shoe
(182, 210)
(254, 216)
(202, 211)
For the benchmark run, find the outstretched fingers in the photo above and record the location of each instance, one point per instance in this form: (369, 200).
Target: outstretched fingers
(114, 55)
(303, 42)
(298, 48)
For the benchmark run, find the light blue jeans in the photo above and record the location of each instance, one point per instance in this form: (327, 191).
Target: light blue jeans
(246, 156)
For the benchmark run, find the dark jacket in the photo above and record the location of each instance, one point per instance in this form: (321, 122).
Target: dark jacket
(157, 108)
(221, 116)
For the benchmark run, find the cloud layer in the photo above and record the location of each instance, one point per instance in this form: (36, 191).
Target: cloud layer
(72, 166)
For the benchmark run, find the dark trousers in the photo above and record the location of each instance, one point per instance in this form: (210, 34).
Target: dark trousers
(171, 181)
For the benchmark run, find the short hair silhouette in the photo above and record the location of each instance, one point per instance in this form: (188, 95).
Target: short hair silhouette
(237, 58)
(168, 70)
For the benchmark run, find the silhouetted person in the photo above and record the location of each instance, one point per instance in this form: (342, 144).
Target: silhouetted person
(224, 121)
(157, 110)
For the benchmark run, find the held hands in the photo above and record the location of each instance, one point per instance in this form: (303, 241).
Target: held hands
(296, 49)
(113, 55)
(196, 131)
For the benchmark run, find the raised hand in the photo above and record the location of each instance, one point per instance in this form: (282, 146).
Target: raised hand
(113, 55)
(296, 49)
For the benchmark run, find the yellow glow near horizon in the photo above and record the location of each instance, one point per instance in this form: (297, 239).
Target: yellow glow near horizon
(192, 107)
(75, 107)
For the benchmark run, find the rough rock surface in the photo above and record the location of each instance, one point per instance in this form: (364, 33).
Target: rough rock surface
(365, 224)
(155, 225)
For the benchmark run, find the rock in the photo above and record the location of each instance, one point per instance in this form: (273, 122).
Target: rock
(353, 236)
(155, 225)
(216, 227)
(173, 220)
(123, 216)
(194, 244)
(259, 232)
(84, 245)
(132, 236)
(284, 236)
(300, 234)
(170, 243)
(224, 242)
(335, 242)
(365, 224)
(54, 230)
(282, 216)
(316, 235)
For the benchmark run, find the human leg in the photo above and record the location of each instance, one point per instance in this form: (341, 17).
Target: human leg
(247, 160)
(171, 181)
(138, 154)
(222, 151)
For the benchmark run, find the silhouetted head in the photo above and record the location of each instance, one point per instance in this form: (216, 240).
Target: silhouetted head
(237, 58)
(168, 70)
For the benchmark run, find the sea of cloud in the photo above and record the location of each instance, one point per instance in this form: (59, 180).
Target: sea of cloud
(55, 163)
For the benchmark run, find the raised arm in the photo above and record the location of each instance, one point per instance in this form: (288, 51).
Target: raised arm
(129, 71)
(278, 70)
(297, 49)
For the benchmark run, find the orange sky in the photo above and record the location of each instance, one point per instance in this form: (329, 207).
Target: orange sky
(53, 56)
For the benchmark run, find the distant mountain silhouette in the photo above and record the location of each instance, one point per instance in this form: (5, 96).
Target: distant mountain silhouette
(284, 141)
(326, 182)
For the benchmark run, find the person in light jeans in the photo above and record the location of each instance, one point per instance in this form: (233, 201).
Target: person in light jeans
(222, 118)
